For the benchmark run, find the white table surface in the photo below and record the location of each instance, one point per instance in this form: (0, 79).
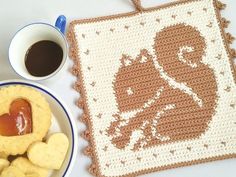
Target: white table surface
(14, 14)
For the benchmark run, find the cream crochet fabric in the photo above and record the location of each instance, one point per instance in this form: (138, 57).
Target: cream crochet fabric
(157, 87)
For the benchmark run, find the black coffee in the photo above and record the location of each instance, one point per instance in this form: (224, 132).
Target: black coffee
(43, 58)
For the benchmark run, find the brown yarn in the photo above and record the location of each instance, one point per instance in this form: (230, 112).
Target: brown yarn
(229, 38)
(88, 151)
(220, 5)
(77, 86)
(225, 23)
(80, 103)
(83, 118)
(94, 168)
(233, 53)
(138, 5)
(133, 75)
(86, 135)
(74, 70)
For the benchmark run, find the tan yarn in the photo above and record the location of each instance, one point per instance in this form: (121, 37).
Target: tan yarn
(157, 87)
(186, 118)
(138, 5)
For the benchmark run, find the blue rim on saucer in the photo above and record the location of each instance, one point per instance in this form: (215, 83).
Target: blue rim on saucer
(7, 83)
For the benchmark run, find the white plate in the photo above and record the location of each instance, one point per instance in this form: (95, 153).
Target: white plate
(62, 121)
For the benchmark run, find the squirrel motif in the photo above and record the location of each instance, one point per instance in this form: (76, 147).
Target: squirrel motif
(171, 103)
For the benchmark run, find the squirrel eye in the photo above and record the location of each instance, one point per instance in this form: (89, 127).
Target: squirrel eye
(129, 91)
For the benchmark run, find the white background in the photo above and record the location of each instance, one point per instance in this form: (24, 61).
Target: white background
(15, 14)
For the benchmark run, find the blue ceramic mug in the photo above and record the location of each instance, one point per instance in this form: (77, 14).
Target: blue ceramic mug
(29, 35)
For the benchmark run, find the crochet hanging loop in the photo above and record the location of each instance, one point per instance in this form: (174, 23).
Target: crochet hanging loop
(138, 5)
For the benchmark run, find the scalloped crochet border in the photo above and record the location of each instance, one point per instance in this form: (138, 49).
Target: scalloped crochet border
(85, 118)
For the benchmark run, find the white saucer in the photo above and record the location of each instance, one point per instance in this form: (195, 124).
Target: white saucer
(62, 121)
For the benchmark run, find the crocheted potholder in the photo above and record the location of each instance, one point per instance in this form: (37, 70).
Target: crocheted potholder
(157, 87)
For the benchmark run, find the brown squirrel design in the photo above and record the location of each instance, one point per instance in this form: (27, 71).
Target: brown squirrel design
(171, 103)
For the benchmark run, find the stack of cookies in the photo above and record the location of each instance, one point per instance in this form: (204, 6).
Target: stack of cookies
(25, 119)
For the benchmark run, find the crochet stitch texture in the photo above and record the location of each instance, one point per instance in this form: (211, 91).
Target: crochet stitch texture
(157, 87)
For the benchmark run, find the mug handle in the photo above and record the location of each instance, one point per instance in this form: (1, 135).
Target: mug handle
(61, 23)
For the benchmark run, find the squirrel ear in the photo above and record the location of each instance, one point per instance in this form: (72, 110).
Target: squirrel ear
(144, 56)
(126, 60)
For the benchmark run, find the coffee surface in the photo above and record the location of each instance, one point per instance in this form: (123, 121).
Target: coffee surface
(43, 58)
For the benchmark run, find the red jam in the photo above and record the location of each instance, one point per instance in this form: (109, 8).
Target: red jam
(19, 119)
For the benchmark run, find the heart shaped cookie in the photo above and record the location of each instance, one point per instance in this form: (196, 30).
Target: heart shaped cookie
(12, 172)
(19, 119)
(3, 164)
(28, 168)
(3, 155)
(36, 113)
(51, 154)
